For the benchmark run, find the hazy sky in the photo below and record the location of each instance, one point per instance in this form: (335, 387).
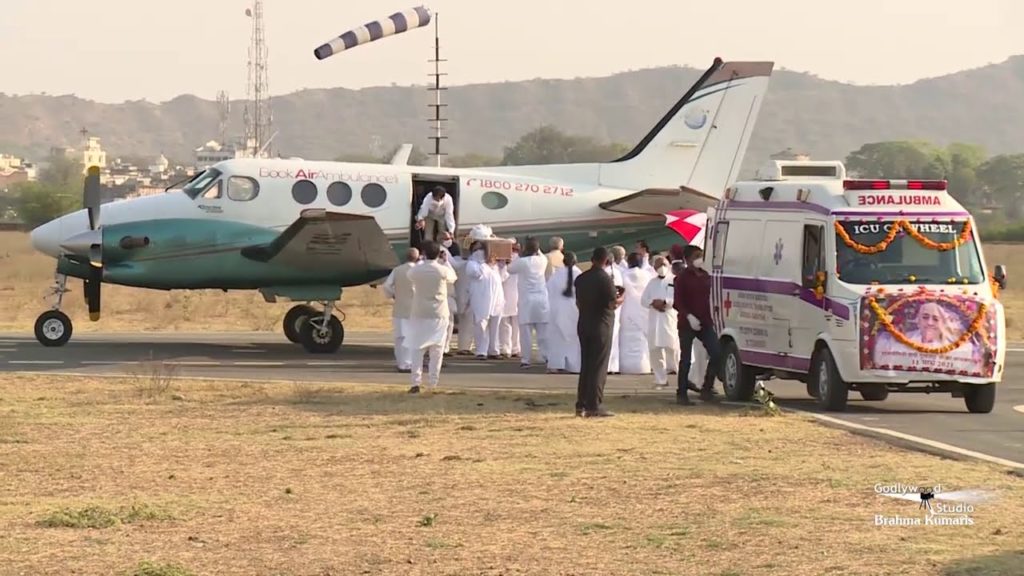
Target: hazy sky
(113, 50)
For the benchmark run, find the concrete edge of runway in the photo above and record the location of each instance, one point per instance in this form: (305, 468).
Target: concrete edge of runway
(892, 437)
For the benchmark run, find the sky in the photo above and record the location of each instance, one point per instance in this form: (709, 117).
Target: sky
(117, 50)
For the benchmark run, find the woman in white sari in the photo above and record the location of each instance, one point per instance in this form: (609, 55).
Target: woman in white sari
(562, 340)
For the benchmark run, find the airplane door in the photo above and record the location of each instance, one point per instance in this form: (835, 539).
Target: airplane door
(422, 185)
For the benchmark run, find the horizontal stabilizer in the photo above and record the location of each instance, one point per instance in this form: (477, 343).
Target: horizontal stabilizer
(661, 201)
(321, 239)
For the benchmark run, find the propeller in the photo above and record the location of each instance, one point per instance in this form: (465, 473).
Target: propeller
(91, 200)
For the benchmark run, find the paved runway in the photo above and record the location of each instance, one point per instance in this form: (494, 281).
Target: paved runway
(368, 357)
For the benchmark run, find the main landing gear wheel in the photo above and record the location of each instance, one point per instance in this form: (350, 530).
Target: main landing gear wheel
(295, 318)
(53, 328)
(320, 338)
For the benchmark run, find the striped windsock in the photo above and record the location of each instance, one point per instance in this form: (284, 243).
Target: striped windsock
(395, 24)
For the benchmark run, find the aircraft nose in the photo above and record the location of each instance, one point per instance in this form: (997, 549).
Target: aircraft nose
(46, 238)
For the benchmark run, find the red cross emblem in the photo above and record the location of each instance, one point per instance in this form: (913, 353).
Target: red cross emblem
(727, 304)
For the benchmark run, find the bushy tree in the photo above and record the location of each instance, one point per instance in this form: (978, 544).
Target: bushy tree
(1003, 178)
(58, 191)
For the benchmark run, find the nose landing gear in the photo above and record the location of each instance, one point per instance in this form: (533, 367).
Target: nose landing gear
(53, 327)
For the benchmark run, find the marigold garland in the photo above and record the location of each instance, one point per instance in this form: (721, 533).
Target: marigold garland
(924, 296)
(894, 230)
(886, 320)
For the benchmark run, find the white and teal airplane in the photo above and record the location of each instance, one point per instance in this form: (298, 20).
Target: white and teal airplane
(304, 230)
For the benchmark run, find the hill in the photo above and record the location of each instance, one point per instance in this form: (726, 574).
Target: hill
(825, 118)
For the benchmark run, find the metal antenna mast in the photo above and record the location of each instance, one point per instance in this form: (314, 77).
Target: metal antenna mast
(436, 88)
(257, 116)
(224, 114)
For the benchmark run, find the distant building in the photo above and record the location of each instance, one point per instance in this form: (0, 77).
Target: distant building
(213, 152)
(14, 170)
(92, 154)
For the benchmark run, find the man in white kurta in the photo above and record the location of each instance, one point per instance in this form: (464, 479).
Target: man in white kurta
(634, 356)
(445, 259)
(464, 315)
(436, 214)
(429, 316)
(486, 302)
(534, 311)
(398, 288)
(508, 331)
(662, 331)
(615, 271)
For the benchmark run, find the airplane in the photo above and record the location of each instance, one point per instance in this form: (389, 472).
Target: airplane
(304, 230)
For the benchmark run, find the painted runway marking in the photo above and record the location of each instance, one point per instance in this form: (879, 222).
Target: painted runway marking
(36, 361)
(1019, 408)
(330, 363)
(249, 350)
(258, 363)
(191, 363)
(7, 350)
(109, 362)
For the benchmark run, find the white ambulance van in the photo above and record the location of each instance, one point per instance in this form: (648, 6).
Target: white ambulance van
(876, 286)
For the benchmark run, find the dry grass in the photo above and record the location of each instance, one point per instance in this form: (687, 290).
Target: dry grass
(287, 479)
(27, 276)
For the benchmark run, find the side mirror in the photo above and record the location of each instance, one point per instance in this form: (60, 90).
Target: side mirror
(1000, 275)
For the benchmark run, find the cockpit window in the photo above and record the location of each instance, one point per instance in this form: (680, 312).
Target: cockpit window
(201, 183)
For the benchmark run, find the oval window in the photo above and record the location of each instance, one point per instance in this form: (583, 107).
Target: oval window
(242, 188)
(339, 193)
(304, 192)
(373, 195)
(494, 200)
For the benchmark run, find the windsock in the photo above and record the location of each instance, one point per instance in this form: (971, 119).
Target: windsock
(395, 24)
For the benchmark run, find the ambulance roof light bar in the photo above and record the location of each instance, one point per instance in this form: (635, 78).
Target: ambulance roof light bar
(894, 184)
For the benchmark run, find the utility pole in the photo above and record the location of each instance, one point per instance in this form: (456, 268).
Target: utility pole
(436, 88)
(257, 116)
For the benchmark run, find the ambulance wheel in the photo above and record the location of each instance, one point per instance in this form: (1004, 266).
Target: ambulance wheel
(737, 379)
(877, 392)
(832, 391)
(53, 328)
(317, 338)
(979, 398)
(812, 388)
(294, 319)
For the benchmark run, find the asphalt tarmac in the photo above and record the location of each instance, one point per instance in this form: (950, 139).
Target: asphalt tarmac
(369, 358)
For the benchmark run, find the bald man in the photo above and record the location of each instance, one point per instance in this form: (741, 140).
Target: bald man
(399, 288)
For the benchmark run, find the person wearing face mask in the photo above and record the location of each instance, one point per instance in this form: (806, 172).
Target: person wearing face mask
(436, 214)
(662, 331)
(448, 245)
(486, 302)
(634, 356)
(533, 304)
(692, 302)
(508, 331)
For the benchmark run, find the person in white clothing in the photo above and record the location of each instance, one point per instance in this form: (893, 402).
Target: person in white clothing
(563, 341)
(530, 269)
(398, 288)
(555, 256)
(634, 356)
(486, 302)
(464, 342)
(614, 269)
(508, 330)
(444, 258)
(436, 215)
(662, 330)
(645, 257)
(429, 316)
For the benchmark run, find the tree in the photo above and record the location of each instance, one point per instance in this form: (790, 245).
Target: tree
(549, 145)
(57, 192)
(1003, 178)
(964, 160)
(898, 160)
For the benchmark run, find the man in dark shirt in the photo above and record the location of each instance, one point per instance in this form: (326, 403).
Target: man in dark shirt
(692, 301)
(596, 299)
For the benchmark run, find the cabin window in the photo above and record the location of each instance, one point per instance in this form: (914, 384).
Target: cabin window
(242, 188)
(339, 193)
(494, 200)
(373, 195)
(304, 192)
(721, 232)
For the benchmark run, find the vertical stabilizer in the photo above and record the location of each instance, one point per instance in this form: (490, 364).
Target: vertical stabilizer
(701, 141)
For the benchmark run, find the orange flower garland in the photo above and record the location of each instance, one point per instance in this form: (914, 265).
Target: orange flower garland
(819, 288)
(905, 225)
(927, 297)
(886, 320)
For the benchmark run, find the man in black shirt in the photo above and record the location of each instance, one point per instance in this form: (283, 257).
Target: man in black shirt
(596, 299)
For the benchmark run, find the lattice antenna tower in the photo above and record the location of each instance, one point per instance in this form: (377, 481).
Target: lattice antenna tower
(223, 114)
(257, 116)
(437, 120)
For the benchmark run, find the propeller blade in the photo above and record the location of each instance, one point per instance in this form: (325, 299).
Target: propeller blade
(91, 196)
(92, 293)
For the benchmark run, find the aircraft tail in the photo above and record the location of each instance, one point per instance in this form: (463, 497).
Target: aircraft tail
(700, 143)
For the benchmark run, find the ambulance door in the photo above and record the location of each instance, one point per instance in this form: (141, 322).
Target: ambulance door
(778, 284)
(814, 315)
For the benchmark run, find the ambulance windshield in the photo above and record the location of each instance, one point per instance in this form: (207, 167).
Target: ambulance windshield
(906, 260)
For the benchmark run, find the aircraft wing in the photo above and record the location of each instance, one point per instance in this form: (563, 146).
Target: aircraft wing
(320, 238)
(660, 201)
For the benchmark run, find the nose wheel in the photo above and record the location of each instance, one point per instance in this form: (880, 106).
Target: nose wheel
(53, 328)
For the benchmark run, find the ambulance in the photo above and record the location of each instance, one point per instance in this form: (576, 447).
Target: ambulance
(877, 286)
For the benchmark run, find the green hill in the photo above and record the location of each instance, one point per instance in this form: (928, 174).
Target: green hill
(824, 118)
